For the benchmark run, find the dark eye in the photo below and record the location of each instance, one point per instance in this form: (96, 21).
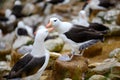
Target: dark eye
(55, 20)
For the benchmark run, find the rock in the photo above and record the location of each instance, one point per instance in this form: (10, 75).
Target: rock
(106, 66)
(5, 49)
(5, 45)
(93, 14)
(15, 56)
(73, 69)
(97, 77)
(67, 79)
(118, 19)
(63, 10)
(46, 75)
(113, 77)
(97, 20)
(101, 14)
(114, 30)
(116, 70)
(9, 38)
(8, 57)
(111, 15)
(115, 54)
(4, 68)
(93, 50)
(20, 41)
(32, 20)
(54, 45)
(66, 48)
(55, 55)
(93, 65)
(2, 46)
(28, 9)
(1, 35)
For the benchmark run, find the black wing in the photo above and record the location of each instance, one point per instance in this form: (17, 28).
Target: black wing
(26, 66)
(3, 18)
(81, 34)
(55, 1)
(22, 31)
(106, 3)
(99, 27)
(32, 67)
(38, 1)
(17, 11)
(19, 65)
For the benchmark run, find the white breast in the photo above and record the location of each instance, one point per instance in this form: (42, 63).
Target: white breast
(72, 43)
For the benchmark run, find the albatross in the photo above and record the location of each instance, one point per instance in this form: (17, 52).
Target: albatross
(92, 7)
(83, 21)
(7, 22)
(32, 65)
(23, 30)
(77, 36)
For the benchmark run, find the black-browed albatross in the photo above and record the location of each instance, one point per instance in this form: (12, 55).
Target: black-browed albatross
(82, 21)
(34, 63)
(91, 5)
(78, 37)
(23, 30)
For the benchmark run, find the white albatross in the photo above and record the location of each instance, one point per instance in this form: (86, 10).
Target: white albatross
(32, 65)
(83, 21)
(77, 36)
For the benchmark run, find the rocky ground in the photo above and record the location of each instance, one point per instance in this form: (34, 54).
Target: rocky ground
(100, 61)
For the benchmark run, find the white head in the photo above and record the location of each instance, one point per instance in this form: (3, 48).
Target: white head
(17, 2)
(41, 34)
(20, 24)
(82, 14)
(54, 22)
(8, 13)
(58, 25)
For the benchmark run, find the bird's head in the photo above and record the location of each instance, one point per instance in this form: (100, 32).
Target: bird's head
(17, 2)
(41, 33)
(82, 14)
(8, 12)
(21, 24)
(53, 23)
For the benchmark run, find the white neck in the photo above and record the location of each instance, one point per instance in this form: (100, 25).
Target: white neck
(63, 27)
(38, 49)
(87, 10)
(83, 21)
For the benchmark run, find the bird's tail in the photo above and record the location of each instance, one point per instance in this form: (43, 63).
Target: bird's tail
(87, 44)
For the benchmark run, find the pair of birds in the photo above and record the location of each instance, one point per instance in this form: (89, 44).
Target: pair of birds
(79, 37)
(34, 63)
